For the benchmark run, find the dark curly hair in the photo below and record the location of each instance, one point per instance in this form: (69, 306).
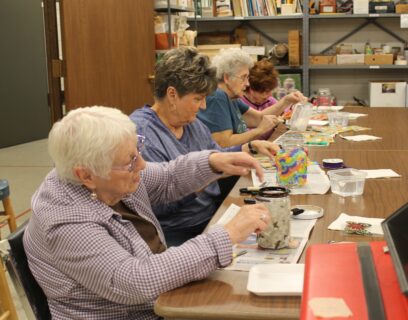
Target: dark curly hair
(263, 76)
(186, 70)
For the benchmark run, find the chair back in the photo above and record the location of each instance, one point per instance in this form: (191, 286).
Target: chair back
(33, 291)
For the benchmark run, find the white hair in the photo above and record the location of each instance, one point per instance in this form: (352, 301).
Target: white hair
(88, 137)
(230, 61)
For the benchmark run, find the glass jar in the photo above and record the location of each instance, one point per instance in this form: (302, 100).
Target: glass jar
(277, 234)
(291, 164)
(324, 97)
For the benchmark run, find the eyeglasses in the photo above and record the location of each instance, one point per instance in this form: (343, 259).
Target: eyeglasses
(132, 164)
(243, 78)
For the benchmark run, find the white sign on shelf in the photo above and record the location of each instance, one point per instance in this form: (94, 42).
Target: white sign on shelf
(404, 20)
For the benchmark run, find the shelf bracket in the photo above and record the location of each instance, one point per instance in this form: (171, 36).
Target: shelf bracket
(369, 21)
(346, 36)
(250, 26)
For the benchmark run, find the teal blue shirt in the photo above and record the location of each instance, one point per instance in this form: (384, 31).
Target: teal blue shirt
(222, 113)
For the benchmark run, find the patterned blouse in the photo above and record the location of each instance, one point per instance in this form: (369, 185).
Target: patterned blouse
(92, 264)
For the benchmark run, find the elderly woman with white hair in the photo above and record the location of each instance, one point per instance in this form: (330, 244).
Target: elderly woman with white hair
(93, 243)
(227, 117)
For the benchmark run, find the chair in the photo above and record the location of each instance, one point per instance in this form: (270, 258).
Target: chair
(6, 301)
(8, 213)
(21, 274)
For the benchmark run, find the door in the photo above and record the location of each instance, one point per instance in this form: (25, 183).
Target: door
(108, 49)
(24, 111)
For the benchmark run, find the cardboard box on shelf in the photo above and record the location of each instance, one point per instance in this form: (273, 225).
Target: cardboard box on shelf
(350, 58)
(381, 7)
(401, 8)
(213, 38)
(388, 93)
(360, 6)
(212, 49)
(376, 59)
(320, 59)
(162, 41)
(294, 45)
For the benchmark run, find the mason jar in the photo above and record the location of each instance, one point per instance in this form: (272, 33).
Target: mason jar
(291, 164)
(277, 233)
(324, 97)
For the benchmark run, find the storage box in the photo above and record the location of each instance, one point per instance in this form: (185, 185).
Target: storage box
(294, 45)
(317, 59)
(350, 58)
(212, 50)
(360, 6)
(377, 59)
(401, 8)
(162, 40)
(381, 7)
(388, 93)
(327, 6)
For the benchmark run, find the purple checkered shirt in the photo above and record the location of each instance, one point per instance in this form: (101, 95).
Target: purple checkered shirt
(92, 264)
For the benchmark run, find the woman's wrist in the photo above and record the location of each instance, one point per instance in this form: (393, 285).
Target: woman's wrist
(251, 148)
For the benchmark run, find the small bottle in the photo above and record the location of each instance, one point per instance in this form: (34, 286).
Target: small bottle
(367, 48)
(324, 97)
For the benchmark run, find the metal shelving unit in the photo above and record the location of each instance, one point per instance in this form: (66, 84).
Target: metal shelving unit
(306, 20)
(169, 9)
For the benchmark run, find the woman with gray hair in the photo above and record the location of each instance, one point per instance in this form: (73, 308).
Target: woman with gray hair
(227, 117)
(93, 243)
(183, 78)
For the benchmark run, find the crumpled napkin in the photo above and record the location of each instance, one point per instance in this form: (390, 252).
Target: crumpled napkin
(340, 223)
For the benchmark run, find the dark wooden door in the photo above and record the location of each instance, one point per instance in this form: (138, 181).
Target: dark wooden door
(108, 49)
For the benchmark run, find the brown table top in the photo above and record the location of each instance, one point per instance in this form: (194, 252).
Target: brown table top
(223, 294)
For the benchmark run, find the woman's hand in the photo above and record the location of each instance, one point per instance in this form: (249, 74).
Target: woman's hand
(234, 164)
(294, 97)
(267, 123)
(250, 218)
(264, 147)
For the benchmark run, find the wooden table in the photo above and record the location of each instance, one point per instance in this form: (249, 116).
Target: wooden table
(223, 294)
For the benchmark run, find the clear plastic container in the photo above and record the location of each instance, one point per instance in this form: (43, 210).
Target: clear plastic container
(347, 182)
(338, 119)
(301, 116)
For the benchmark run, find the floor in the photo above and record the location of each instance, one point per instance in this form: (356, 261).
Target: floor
(24, 166)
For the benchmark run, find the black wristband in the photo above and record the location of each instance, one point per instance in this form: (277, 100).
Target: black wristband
(251, 148)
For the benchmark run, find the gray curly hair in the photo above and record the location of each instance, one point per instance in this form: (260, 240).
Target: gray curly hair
(230, 61)
(186, 70)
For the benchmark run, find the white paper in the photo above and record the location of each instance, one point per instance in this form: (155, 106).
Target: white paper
(330, 108)
(360, 137)
(318, 122)
(340, 223)
(404, 21)
(299, 231)
(230, 213)
(317, 181)
(353, 115)
(381, 173)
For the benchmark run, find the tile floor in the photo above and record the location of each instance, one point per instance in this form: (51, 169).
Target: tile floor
(24, 166)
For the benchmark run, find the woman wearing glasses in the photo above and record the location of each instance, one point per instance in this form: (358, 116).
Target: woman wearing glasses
(227, 117)
(93, 243)
(183, 78)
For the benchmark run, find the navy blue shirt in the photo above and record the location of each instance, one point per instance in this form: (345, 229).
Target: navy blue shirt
(161, 145)
(222, 113)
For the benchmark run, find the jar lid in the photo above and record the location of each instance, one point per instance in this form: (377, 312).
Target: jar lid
(273, 192)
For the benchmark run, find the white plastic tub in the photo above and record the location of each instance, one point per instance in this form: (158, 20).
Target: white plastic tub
(347, 182)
